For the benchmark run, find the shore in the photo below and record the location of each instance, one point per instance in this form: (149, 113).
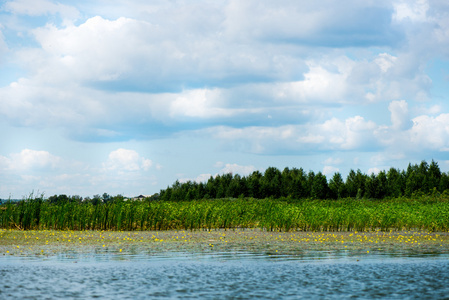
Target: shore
(53, 242)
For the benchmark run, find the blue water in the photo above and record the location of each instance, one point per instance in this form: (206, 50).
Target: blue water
(237, 275)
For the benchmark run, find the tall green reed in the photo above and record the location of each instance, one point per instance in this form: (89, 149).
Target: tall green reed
(268, 214)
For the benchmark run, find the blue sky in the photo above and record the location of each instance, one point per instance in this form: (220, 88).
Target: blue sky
(126, 97)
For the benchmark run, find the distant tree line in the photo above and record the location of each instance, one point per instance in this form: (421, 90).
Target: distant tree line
(96, 199)
(297, 184)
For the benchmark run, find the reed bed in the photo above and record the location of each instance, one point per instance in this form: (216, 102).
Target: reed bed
(425, 213)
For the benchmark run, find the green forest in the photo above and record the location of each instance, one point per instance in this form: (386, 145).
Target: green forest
(418, 179)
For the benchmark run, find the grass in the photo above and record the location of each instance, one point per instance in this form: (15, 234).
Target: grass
(424, 213)
(52, 242)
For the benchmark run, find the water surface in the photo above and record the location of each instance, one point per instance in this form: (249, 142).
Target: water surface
(226, 275)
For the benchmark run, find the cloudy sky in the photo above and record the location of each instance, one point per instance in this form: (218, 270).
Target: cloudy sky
(125, 97)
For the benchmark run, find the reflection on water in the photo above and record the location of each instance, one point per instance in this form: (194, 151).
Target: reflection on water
(225, 275)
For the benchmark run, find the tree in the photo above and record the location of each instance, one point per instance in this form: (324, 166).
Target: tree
(254, 186)
(211, 188)
(234, 188)
(58, 199)
(320, 188)
(271, 183)
(287, 187)
(395, 183)
(371, 186)
(309, 185)
(96, 200)
(381, 190)
(415, 178)
(433, 176)
(106, 198)
(444, 182)
(301, 188)
(355, 183)
(351, 186)
(336, 186)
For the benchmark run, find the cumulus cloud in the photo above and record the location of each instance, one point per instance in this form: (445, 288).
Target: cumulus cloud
(411, 10)
(329, 170)
(127, 160)
(28, 160)
(160, 77)
(431, 132)
(400, 118)
(354, 133)
(374, 171)
(151, 57)
(385, 61)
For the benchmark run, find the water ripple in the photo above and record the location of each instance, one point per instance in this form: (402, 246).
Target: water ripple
(235, 275)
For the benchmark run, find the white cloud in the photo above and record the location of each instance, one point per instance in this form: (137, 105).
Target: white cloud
(319, 84)
(200, 178)
(29, 160)
(400, 118)
(81, 80)
(412, 10)
(385, 61)
(431, 132)
(127, 160)
(432, 110)
(354, 133)
(199, 103)
(225, 169)
(42, 7)
(333, 161)
(155, 57)
(374, 171)
(329, 170)
(237, 169)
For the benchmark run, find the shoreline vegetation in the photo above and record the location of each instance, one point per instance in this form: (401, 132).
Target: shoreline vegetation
(429, 213)
(291, 200)
(406, 210)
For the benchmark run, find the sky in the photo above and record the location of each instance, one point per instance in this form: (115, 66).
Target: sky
(126, 97)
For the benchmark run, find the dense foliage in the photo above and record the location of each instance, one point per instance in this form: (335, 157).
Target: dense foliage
(429, 213)
(295, 183)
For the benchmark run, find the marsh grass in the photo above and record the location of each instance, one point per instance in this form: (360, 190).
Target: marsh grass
(424, 213)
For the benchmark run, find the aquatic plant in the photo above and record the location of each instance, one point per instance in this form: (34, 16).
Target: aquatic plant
(425, 212)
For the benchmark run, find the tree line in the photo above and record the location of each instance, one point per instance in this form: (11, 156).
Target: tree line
(417, 179)
(63, 198)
